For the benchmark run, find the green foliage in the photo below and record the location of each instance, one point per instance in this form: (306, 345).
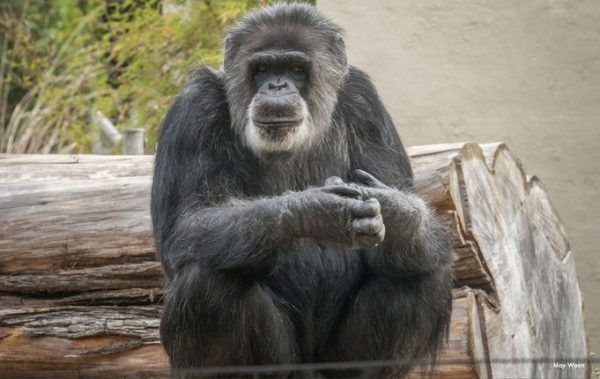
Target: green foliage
(62, 60)
(45, 70)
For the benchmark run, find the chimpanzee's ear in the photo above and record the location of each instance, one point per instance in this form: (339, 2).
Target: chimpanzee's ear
(343, 54)
(337, 48)
(229, 50)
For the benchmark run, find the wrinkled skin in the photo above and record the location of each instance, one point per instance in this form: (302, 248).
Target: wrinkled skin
(284, 213)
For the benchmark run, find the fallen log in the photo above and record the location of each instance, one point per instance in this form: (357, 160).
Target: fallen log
(80, 287)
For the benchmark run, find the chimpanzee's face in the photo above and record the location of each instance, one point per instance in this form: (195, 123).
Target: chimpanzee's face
(282, 78)
(278, 115)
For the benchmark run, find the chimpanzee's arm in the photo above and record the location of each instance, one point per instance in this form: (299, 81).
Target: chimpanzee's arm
(414, 241)
(403, 307)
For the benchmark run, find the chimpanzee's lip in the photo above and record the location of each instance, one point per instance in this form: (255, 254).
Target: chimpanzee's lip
(277, 124)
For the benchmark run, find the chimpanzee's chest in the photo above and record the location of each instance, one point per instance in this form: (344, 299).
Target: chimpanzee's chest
(276, 176)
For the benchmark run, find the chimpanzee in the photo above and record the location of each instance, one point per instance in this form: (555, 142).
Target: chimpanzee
(284, 211)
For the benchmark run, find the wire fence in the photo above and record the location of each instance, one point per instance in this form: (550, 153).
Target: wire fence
(356, 369)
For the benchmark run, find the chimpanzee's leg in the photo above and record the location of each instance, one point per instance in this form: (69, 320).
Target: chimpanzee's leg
(219, 319)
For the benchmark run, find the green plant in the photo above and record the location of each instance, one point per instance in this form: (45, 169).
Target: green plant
(62, 60)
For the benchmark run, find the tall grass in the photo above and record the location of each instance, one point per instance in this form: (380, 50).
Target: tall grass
(61, 61)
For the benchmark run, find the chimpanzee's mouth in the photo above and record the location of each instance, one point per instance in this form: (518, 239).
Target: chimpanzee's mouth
(269, 125)
(277, 128)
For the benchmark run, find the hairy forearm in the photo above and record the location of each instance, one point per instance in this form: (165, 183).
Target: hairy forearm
(415, 242)
(245, 235)
(236, 235)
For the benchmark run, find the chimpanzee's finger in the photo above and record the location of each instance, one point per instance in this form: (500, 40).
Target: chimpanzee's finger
(370, 240)
(344, 190)
(367, 179)
(334, 181)
(369, 226)
(368, 208)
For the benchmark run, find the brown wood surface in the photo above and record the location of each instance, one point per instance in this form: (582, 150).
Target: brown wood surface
(80, 287)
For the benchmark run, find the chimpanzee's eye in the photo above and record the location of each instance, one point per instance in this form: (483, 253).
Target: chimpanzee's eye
(297, 68)
(261, 67)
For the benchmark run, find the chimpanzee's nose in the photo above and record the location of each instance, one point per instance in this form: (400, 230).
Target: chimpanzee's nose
(277, 85)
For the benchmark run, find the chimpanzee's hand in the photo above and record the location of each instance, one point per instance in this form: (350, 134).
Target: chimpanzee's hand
(338, 213)
(402, 212)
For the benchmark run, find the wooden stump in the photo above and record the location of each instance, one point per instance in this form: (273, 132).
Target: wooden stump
(79, 284)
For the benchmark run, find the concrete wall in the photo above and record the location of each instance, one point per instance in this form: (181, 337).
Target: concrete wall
(523, 72)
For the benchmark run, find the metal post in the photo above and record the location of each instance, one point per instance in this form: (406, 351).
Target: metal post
(133, 144)
(107, 127)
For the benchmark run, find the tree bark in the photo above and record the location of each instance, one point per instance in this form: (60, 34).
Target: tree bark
(80, 286)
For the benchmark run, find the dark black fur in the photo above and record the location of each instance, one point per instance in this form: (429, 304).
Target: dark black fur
(267, 263)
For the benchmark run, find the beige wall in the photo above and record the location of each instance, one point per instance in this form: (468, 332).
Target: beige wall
(525, 72)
